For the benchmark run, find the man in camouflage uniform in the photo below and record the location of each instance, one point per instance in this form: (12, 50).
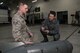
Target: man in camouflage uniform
(20, 30)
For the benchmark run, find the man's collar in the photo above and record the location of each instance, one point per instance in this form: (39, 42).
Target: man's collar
(52, 20)
(20, 13)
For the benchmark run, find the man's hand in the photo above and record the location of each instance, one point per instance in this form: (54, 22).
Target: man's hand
(31, 36)
(28, 41)
(42, 28)
(47, 31)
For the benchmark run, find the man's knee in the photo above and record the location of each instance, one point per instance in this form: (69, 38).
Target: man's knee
(41, 30)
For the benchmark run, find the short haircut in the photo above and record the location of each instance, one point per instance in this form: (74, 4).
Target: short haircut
(52, 12)
(20, 3)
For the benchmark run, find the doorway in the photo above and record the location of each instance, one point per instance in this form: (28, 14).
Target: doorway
(62, 16)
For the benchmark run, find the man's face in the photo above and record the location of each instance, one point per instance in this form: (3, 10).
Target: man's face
(24, 8)
(51, 17)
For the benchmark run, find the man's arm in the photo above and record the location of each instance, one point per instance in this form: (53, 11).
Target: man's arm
(29, 31)
(44, 25)
(30, 34)
(16, 26)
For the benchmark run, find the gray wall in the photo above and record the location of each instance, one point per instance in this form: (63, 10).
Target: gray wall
(59, 5)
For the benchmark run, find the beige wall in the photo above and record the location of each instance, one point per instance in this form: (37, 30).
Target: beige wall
(57, 5)
(60, 5)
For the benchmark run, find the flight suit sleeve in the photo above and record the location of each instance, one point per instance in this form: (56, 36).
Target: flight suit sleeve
(16, 29)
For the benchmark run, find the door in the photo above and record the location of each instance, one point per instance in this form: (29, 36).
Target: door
(62, 16)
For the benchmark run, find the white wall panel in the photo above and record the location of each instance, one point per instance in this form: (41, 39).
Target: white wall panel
(3, 16)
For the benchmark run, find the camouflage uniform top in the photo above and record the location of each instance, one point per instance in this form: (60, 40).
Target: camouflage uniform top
(19, 28)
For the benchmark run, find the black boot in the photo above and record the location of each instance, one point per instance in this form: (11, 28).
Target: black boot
(44, 41)
(56, 37)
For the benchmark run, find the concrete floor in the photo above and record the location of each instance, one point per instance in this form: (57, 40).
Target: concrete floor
(65, 31)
